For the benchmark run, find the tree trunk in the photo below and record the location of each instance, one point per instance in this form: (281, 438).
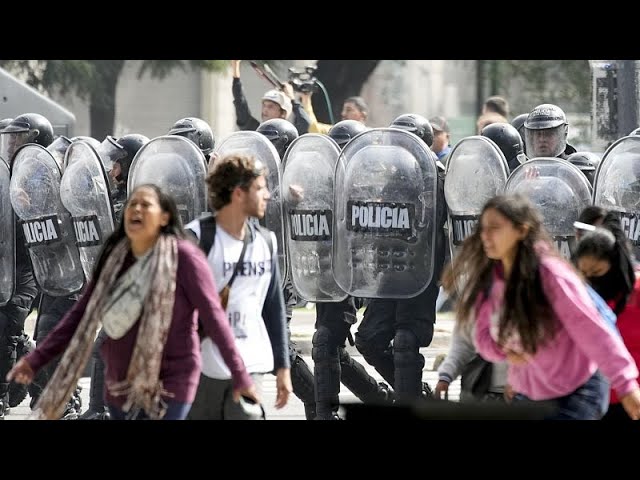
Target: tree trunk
(102, 100)
(341, 79)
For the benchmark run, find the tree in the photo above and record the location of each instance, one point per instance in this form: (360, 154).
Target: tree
(95, 81)
(527, 83)
(342, 79)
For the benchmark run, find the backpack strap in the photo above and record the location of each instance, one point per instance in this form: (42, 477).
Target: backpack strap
(266, 233)
(207, 233)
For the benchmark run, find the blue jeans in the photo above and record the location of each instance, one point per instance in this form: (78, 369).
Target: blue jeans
(587, 402)
(175, 411)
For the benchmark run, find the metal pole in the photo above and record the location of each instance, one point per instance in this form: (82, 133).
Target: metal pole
(604, 112)
(480, 67)
(627, 97)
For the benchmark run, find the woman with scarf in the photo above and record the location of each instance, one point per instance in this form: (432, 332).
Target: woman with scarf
(149, 287)
(604, 258)
(531, 309)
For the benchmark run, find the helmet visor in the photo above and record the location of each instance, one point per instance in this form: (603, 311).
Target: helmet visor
(548, 142)
(10, 142)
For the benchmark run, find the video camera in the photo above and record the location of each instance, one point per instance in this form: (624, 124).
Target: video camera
(303, 81)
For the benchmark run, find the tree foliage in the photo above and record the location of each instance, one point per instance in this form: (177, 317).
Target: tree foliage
(95, 81)
(528, 83)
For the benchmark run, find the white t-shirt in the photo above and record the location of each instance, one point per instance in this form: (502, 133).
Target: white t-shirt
(246, 300)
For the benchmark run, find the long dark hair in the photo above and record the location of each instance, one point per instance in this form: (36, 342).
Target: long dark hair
(526, 308)
(609, 243)
(173, 227)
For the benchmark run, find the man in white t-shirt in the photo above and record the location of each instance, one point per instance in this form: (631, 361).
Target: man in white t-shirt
(255, 307)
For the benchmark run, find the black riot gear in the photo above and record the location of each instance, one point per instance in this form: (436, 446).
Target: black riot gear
(196, 130)
(546, 130)
(416, 124)
(587, 162)
(25, 128)
(508, 140)
(280, 132)
(131, 143)
(38, 127)
(345, 130)
(518, 123)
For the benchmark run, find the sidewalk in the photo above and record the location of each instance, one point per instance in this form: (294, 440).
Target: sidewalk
(302, 329)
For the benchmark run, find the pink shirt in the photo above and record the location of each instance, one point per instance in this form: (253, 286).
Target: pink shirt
(582, 344)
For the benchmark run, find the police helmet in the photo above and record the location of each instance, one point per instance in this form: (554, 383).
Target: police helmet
(196, 130)
(36, 127)
(587, 162)
(416, 124)
(5, 122)
(551, 118)
(508, 140)
(280, 132)
(131, 144)
(345, 130)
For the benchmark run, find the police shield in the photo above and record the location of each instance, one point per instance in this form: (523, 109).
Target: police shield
(256, 144)
(47, 226)
(307, 195)
(385, 210)
(7, 237)
(617, 186)
(476, 171)
(178, 166)
(560, 191)
(84, 192)
(58, 150)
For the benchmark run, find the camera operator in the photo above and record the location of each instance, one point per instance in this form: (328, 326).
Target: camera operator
(275, 104)
(306, 84)
(353, 108)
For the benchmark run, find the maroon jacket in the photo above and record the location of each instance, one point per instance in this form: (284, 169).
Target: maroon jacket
(181, 362)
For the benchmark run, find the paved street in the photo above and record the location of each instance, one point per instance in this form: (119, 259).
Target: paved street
(302, 332)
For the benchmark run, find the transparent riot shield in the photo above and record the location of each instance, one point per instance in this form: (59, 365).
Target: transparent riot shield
(256, 144)
(47, 225)
(58, 150)
(560, 191)
(617, 186)
(307, 195)
(84, 192)
(7, 237)
(177, 165)
(476, 171)
(385, 211)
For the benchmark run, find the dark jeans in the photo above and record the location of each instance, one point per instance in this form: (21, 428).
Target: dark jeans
(12, 319)
(175, 411)
(50, 311)
(587, 402)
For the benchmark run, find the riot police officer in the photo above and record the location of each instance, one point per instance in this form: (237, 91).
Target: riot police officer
(25, 128)
(587, 162)
(393, 330)
(332, 362)
(508, 140)
(119, 174)
(198, 131)
(546, 129)
(518, 124)
(343, 131)
(281, 133)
